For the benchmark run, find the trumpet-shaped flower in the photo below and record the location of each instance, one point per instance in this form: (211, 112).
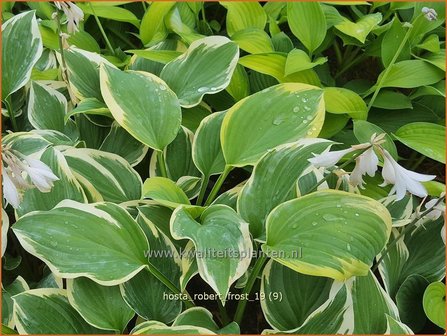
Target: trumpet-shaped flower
(429, 13)
(366, 163)
(40, 174)
(73, 13)
(328, 158)
(404, 180)
(10, 191)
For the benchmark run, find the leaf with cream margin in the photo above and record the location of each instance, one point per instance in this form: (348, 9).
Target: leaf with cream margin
(142, 104)
(395, 327)
(4, 232)
(56, 315)
(338, 233)
(201, 317)
(85, 84)
(144, 292)
(155, 327)
(104, 176)
(66, 187)
(100, 241)
(273, 181)
(185, 75)
(101, 306)
(289, 112)
(21, 49)
(222, 243)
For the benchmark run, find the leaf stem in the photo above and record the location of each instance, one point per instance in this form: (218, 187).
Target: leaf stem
(404, 232)
(61, 45)
(205, 182)
(160, 276)
(387, 70)
(8, 104)
(162, 164)
(101, 29)
(247, 289)
(225, 319)
(217, 185)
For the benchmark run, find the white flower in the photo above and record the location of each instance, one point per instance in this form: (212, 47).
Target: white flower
(429, 13)
(438, 209)
(403, 179)
(366, 163)
(329, 159)
(73, 13)
(40, 174)
(10, 191)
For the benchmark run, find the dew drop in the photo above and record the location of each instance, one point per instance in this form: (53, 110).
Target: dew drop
(296, 109)
(304, 121)
(338, 205)
(277, 121)
(356, 215)
(202, 89)
(330, 217)
(314, 223)
(162, 87)
(53, 243)
(307, 108)
(309, 117)
(294, 226)
(348, 247)
(304, 100)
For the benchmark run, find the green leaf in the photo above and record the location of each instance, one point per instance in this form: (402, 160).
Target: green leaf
(109, 12)
(392, 100)
(243, 15)
(47, 109)
(152, 28)
(391, 43)
(411, 74)
(90, 106)
(161, 56)
(67, 187)
(367, 292)
(304, 295)
(145, 293)
(201, 317)
(343, 101)
(85, 83)
(104, 176)
(185, 75)
(192, 117)
(222, 243)
(239, 86)
(363, 130)
(307, 22)
(298, 60)
(155, 327)
(273, 181)
(206, 149)
(85, 41)
(55, 316)
(409, 301)
(431, 43)
(289, 112)
(395, 327)
(326, 227)
(101, 306)
(425, 138)
(21, 49)
(120, 142)
(253, 40)
(99, 241)
(143, 105)
(434, 303)
(360, 29)
(164, 191)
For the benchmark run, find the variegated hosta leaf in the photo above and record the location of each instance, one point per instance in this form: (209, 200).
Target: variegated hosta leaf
(104, 176)
(47, 108)
(200, 317)
(142, 104)
(230, 197)
(100, 241)
(120, 142)
(420, 252)
(55, 315)
(394, 327)
(19, 285)
(328, 233)
(165, 192)
(189, 265)
(371, 304)
(280, 114)
(84, 83)
(185, 75)
(178, 157)
(4, 231)
(301, 295)
(67, 187)
(273, 181)
(222, 244)
(158, 328)
(145, 293)
(101, 306)
(21, 49)
(206, 149)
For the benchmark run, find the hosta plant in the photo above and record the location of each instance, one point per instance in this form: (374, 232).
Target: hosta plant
(223, 167)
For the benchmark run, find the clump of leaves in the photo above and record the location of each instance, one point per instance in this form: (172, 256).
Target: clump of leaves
(232, 167)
